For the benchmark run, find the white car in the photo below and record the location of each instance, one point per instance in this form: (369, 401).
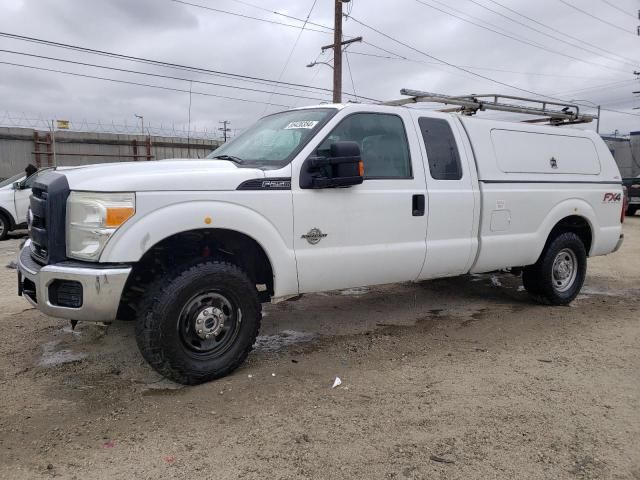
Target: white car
(14, 202)
(308, 200)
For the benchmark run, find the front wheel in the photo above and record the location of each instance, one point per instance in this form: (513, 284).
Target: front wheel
(557, 277)
(200, 323)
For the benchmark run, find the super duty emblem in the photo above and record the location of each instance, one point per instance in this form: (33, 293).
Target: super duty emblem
(314, 236)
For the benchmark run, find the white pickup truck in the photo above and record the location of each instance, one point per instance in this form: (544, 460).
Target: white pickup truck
(308, 200)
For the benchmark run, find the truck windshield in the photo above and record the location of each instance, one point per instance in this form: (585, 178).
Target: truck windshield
(273, 141)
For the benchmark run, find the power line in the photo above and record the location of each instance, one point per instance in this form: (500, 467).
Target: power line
(493, 80)
(421, 52)
(127, 82)
(473, 67)
(597, 18)
(293, 48)
(595, 87)
(619, 9)
(511, 36)
(561, 31)
(282, 14)
(248, 17)
(635, 64)
(397, 55)
(240, 77)
(353, 85)
(170, 77)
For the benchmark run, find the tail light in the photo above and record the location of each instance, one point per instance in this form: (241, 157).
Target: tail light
(625, 203)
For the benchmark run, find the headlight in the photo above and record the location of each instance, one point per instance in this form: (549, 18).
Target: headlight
(91, 220)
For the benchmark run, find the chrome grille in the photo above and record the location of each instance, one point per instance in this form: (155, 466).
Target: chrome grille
(38, 230)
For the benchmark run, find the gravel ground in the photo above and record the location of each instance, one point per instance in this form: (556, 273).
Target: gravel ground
(455, 378)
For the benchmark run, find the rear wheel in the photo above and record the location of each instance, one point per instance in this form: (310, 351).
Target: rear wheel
(631, 211)
(199, 324)
(5, 226)
(557, 277)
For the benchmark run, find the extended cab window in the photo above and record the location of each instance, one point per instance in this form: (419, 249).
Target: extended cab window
(383, 143)
(442, 151)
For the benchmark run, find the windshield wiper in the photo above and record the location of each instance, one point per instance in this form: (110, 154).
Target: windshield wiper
(231, 158)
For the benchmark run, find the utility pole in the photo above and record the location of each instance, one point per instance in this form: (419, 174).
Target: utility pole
(337, 53)
(224, 129)
(337, 46)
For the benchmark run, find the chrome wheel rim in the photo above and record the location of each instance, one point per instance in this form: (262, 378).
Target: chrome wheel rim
(209, 323)
(564, 270)
(2, 227)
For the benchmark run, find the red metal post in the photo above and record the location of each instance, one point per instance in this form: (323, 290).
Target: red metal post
(36, 144)
(49, 150)
(148, 145)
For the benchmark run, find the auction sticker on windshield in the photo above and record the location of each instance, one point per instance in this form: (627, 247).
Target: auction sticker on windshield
(302, 124)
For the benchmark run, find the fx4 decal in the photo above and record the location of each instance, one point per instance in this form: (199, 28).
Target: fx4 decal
(611, 197)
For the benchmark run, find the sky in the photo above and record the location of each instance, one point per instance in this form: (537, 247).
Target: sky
(454, 47)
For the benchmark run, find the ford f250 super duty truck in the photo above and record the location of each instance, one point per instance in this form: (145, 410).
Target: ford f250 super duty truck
(309, 200)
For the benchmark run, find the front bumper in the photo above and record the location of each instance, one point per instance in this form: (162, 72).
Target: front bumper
(100, 293)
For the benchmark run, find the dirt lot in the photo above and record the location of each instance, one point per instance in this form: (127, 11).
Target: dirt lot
(457, 378)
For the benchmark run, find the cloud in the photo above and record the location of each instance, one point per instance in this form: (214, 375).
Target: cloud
(173, 32)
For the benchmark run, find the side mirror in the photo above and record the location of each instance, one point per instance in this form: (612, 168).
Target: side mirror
(342, 168)
(17, 185)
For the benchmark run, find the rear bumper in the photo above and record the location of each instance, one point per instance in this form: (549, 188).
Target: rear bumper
(101, 288)
(619, 244)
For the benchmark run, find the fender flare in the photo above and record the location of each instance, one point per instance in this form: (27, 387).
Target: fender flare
(134, 239)
(571, 207)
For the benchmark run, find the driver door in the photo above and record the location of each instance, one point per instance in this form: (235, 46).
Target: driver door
(365, 234)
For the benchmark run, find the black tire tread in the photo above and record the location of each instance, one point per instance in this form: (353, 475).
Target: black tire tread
(153, 353)
(535, 277)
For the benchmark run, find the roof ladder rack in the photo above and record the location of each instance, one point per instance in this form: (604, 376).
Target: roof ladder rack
(566, 114)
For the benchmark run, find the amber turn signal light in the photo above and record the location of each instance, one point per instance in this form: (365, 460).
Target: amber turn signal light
(116, 216)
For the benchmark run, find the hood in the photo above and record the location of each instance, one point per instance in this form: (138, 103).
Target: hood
(167, 175)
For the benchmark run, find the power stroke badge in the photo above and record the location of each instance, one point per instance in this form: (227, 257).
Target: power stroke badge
(314, 236)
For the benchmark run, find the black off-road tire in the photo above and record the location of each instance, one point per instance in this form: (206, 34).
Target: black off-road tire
(539, 279)
(160, 333)
(5, 226)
